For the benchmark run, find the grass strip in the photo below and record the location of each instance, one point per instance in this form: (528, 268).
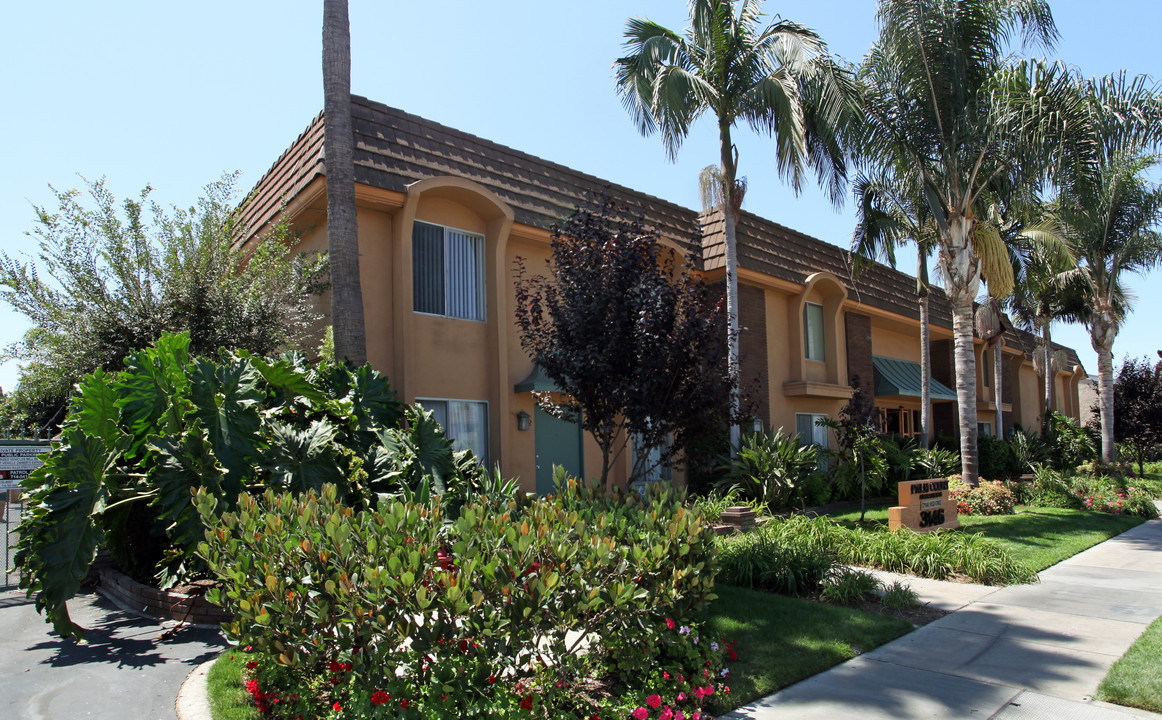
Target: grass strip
(781, 640)
(1041, 537)
(228, 697)
(1136, 679)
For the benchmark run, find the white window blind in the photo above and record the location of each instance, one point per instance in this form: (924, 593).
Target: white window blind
(447, 272)
(465, 423)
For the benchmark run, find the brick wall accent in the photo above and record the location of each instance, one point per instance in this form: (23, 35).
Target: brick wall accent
(943, 362)
(162, 604)
(752, 346)
(857, 331)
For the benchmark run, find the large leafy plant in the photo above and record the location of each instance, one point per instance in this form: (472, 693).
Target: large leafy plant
(136, 443)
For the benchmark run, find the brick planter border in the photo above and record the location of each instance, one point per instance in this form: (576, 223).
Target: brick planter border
(160, 604)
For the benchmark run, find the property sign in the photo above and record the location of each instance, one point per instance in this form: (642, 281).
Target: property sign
(17, 459)
(924, 505)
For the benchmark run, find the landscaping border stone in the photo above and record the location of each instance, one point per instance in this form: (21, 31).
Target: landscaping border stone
(161, 604)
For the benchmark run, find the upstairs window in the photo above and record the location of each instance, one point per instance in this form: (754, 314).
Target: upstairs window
(813, 332)
(447, 272)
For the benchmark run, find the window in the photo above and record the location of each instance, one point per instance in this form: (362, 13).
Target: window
(465, 423)
(984, 428)
(811, 432)
(650, 461)
(986, 366)
(447, 272)
(813, 332)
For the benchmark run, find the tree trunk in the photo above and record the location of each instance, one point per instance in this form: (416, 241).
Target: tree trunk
(339, 152)
(999, 428)
(925, 352)
(1047, 341)
(730, 212)
(961, 270)
(1103, 329)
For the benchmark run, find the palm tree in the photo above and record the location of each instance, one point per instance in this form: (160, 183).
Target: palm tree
(890, 215)
(1111, 224)
(940, 93)
(1042, 294)
(777, 79)
(339, 152)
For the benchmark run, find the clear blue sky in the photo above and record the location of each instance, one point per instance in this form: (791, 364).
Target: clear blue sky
(175, 94)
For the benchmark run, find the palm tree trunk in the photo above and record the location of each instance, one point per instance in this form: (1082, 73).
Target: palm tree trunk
(999, 428)
(965, 389)
(339, 151)
(1047, 341)
(1103, 330)
(730, 213)
(925, 351)
(961, 269)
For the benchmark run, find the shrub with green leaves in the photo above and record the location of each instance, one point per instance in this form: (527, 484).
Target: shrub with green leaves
(773, 468)
(936, 554)
(137, 442)
(848, 586)
(990, 497)
(768, 559)
(439, 612)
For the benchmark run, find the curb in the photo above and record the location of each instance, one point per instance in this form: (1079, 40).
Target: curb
(193, 702)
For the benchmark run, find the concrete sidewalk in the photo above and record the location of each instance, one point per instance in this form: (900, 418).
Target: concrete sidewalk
(127, 669)
(1013, 653)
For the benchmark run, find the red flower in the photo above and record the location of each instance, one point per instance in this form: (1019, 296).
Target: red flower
(335, 666)
(403, 704)
(337, 707)
(252, 664)
(527, 703)
(379, 697)
(654, 701)
(491, 679)
(669, 623)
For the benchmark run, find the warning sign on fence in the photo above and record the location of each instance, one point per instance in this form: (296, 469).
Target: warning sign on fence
(17, 459)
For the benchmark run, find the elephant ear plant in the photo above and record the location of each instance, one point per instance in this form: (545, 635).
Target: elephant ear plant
(136, 443)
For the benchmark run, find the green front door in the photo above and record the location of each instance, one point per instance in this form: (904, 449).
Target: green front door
(558, 442)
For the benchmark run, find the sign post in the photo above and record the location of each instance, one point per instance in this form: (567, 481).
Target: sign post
(924, 505)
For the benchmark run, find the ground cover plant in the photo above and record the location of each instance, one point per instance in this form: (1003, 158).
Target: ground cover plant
(1039, 536)
(390, 611)
(136, 442)
(1136, 679)
(788, 554)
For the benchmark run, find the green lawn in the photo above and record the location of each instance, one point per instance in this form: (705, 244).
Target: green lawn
(228, 698)
(1136, 679)
(781, 640)
(1040, 537)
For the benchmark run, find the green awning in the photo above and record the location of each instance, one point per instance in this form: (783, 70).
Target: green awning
(537, 381)
(902, 377)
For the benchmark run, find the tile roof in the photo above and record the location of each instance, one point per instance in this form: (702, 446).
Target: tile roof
(395, 149)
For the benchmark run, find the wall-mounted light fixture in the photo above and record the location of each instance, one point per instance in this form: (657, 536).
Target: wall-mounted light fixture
(524, 421)
(757, 425)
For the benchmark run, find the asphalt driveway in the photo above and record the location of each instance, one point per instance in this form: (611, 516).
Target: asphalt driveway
(126, 669)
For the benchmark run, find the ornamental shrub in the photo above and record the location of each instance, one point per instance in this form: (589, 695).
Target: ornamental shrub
(136, 442)
(990, 497)
(474, 617)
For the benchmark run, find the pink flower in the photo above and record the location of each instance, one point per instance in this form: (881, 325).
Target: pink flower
(682, 696)
(708, 690)
(654, 701)
(669, 623)
(667, 714)
(641, 713)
